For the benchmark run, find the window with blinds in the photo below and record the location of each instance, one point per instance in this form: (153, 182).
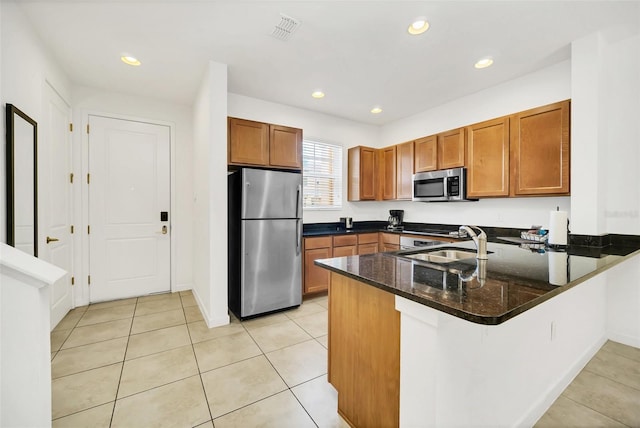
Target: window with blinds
(322, 175)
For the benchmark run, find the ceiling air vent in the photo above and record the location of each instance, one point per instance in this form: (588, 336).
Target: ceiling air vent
(285, 28)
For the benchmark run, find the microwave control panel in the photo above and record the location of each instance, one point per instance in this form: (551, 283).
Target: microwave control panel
(453, 186)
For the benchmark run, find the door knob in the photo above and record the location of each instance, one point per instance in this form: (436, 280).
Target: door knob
(49, 239)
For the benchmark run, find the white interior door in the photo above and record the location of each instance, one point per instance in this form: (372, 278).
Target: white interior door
(55, 190)
(129, 188)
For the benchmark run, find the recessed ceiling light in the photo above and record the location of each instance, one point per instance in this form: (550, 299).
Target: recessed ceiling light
(419, 26)
(130, 60)
(484, 62)
(317, 94)
(376, 110)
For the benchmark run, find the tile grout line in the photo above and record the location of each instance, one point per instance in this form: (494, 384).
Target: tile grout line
(195, 357)
(592, 409)
(124, 358)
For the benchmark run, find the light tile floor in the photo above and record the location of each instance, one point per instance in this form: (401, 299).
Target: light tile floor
(152, 361)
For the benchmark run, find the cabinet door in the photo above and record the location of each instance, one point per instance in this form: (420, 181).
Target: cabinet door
(248, 142)
(348, 250)
(488, 158)
(404, 170)
(390, 247)
(316, 279)
(426, 154)
(361, 184)
(285, 146)
(451, 149)
(540, 151)
(370, 248)
(389, 172)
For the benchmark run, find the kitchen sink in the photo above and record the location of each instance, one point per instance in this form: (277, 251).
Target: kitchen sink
(443, 255)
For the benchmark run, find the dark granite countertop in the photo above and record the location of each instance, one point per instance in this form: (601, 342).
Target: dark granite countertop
(517, 278)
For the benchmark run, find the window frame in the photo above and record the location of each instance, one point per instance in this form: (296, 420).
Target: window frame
(338, 193)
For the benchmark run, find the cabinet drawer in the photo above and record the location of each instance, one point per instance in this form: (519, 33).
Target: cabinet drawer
(319, 242)
(343, 240)
(367, 238)
(390, 238)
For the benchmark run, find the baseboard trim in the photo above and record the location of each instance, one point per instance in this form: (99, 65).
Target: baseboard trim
(625, 339)
(208, 319)
(182, 287)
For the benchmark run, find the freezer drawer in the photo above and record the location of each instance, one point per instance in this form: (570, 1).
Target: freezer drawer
(271, 272)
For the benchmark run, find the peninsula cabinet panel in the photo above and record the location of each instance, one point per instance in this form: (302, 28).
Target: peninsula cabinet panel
(488, 158)
(364, 353)
(248, 142)
(451, 149)
(388, 169)
(540, 151)
(285, 147)
(361, 174)
(426, 154)
(404, 170)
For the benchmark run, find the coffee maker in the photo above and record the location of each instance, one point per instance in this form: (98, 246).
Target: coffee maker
(395, 219)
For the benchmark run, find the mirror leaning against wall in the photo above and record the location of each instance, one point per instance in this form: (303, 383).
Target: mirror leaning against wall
(22, 181)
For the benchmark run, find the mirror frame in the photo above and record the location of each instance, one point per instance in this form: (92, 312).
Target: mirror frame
(12, 112)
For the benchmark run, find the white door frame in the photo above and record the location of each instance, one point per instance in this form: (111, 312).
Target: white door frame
(82, 298)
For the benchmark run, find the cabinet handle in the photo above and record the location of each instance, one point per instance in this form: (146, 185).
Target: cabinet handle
(49, 239)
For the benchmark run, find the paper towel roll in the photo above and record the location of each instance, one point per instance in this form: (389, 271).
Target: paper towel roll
(558, 268)
(557, 228)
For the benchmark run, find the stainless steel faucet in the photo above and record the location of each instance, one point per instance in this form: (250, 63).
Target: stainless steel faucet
(480, 240)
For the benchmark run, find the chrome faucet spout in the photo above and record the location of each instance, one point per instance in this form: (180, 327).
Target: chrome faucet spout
(479, 239)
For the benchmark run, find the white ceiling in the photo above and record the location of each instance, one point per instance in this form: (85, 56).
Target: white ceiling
(357, 52)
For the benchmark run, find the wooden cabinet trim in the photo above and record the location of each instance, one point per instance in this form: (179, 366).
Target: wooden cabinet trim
(487, 160)
(318, 242)
(343, 240)
(426, 154)
(551, 149)
(368, 238)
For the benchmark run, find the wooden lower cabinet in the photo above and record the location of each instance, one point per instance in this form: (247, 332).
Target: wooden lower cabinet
(364, 353)
(316, 279)
(389, 242)
(367, 243)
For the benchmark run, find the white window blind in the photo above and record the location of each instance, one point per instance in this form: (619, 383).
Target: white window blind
(322, 175)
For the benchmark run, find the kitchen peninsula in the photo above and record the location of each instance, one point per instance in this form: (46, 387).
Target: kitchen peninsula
(421, 344)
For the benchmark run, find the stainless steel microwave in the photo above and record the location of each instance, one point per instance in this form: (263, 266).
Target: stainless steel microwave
(441, 186)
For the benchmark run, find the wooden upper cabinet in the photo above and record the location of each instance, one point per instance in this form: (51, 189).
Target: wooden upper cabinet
(488, 158)
(404, 170)
(540, 151)
(388, 169)
(451, 149)
(361, 174)
(248, 142)
(262, 144)
(285, 146)
(426, 154)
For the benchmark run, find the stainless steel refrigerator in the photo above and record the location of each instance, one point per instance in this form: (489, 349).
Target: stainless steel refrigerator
(264, 241)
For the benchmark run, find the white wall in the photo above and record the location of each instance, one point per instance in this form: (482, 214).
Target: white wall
(210, 195)
(26, 67)
(605, 133)
(88, 100)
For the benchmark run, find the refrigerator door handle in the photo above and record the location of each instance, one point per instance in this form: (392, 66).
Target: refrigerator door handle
(298, 237)
(298, 201)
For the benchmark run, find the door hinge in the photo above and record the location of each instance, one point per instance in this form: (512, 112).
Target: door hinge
(71, 127)
(71, 178)
(87, 128)
(88, 178)
(73, 280)
(71, 229)
(88, 230)
(89, 280)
